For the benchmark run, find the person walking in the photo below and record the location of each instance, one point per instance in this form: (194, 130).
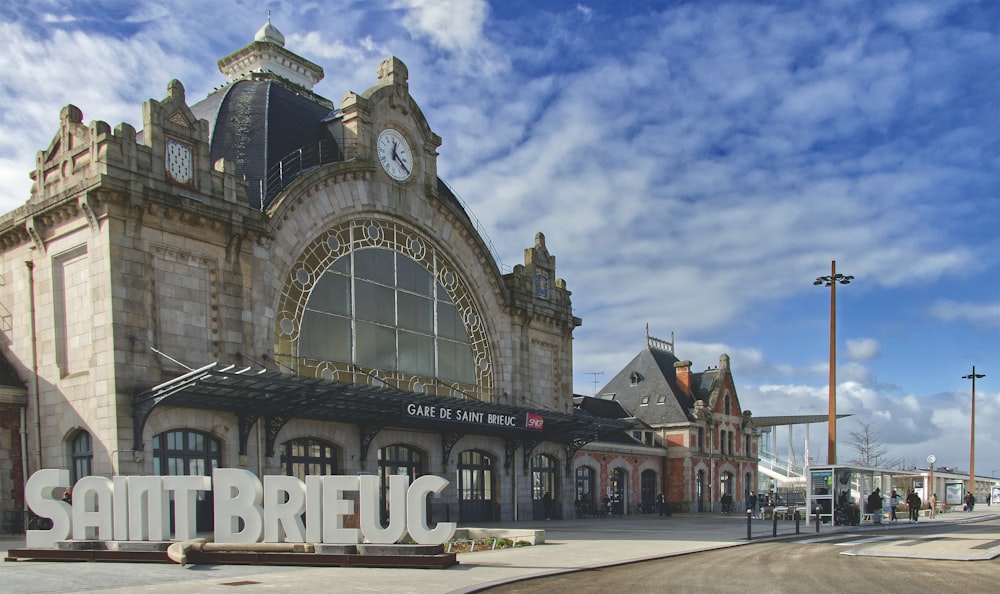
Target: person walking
(970, 501)
(661, 504)
(893, 502)
(933, 503)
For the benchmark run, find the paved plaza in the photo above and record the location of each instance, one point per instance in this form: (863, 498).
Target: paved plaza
(570, 545)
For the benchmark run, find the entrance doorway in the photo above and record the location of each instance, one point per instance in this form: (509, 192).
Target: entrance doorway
(475, 487)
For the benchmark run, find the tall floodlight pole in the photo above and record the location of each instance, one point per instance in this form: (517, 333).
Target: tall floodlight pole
(832, 281)
(972, 431)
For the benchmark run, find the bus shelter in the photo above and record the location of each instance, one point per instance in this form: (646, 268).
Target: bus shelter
(839, 493)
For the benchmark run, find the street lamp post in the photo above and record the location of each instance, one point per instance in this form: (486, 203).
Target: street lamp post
(832, 281)
(972, 431)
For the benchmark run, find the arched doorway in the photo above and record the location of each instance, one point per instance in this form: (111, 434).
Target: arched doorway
(619, 491)
(586, 488)
(648, 491)
(398, 459)
(699, 490)
(187, 452)
(475, 486)
(543, 482)
(304, 457)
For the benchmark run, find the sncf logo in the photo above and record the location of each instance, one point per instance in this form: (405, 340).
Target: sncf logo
(534, 421)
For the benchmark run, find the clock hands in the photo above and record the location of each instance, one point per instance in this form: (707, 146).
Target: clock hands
(395, 156)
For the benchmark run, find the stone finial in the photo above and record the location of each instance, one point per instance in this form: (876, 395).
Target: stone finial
(175, 90)
(71, 114)
(392, 70)
(724, 361)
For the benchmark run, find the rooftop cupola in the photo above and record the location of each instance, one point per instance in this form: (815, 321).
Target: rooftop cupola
(266, 55)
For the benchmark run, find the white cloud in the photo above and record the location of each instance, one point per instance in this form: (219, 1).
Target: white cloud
(978, 314)
(863, 349)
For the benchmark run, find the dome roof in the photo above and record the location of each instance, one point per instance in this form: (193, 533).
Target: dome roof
(257, 123)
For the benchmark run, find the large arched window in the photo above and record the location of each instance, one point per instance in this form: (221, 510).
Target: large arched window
(303, 457)
(380, 309)
(376, 298)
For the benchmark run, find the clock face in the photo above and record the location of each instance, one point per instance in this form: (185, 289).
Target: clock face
(394, 154)
(179, 161)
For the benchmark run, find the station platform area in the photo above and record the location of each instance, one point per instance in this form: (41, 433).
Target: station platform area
(570, 545)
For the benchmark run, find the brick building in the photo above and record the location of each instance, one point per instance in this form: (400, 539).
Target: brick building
(692, 440)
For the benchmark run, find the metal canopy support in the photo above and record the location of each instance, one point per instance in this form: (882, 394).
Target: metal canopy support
(510, 447)
(448, 441)
(368, 433)
(246, 423)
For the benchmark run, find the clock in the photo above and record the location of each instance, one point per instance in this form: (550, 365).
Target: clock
(931, 459)
(179, 161)
(394, 154)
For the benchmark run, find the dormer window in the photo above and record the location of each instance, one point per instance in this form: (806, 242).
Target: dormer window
(644, 401)
(661, 399)
(635, 378)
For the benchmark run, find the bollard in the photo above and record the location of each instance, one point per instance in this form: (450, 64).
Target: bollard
(749, 517)
(797, 518)
(774, 523)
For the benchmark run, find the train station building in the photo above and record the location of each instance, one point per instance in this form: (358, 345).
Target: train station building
(271, 280)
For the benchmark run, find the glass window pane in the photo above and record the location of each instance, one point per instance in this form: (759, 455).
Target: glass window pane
(325, 337)
(455, 362)
(332, 294)
(413, 277)
(416, 354)
(450, 323)
(375, 303)
(342, 265)
(376, 346)
(416, 313)
(375, 264)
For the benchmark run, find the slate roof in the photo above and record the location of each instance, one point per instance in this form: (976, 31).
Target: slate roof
(656, 377)
(257, 123)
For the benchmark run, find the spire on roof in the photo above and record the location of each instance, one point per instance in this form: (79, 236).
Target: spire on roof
(270, 33)
(265, 56)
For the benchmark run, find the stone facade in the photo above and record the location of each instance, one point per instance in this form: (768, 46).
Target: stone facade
(138, 257)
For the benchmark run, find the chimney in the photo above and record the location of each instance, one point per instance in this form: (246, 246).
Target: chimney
(682, 371)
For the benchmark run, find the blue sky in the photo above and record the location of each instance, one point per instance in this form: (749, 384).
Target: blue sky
(693, 165)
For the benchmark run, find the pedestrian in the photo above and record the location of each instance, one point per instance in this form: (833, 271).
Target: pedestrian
(661, 504)
(547, 504)
(68, 495)
(970, 501)
(987, 500)
(875, 505)
(913, 502)
(933, 503)
(893, 503)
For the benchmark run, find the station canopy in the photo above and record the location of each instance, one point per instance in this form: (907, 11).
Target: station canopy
(277, 397)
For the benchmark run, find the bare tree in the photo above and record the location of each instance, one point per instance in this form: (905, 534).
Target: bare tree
(872, 452)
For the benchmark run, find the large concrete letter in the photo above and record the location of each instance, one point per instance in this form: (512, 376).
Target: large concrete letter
(238, 496)
(335, 507)
(148, 508)
(185, 490)
(283, 519)
(371, 523)
(92, 520)
(416, 511)
(120, 491)
(40, 495)
(314, 508)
